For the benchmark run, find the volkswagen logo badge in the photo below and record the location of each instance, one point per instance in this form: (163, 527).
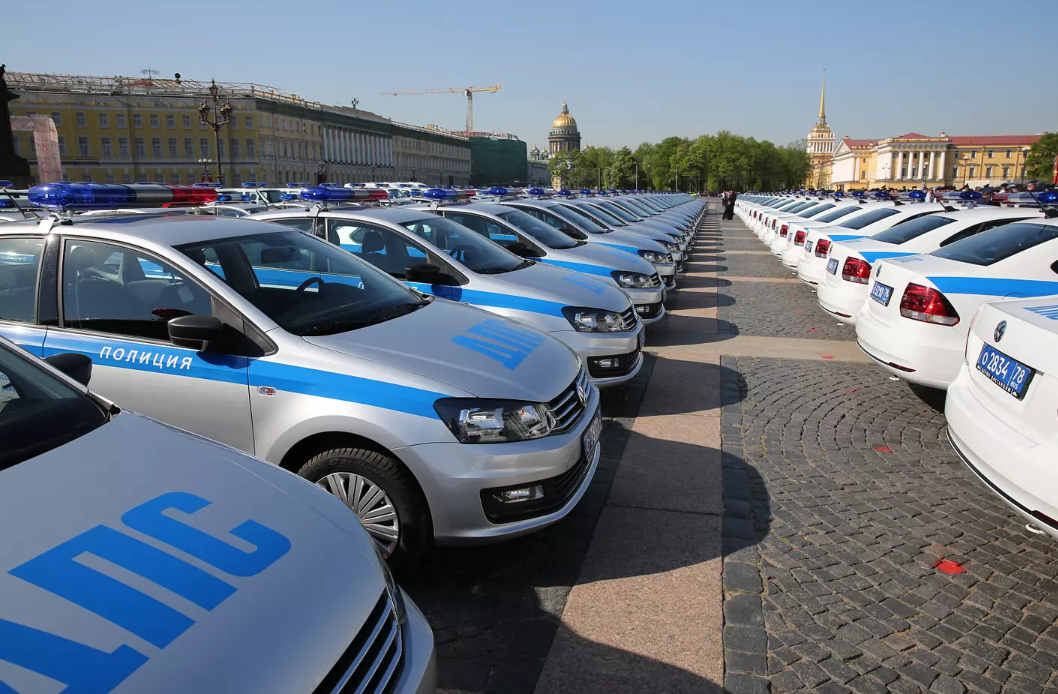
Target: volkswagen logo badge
(1001, 330)
(582, 394)
(878, 273)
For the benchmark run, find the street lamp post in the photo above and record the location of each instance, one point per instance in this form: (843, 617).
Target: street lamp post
(222, 118)
(205, 168)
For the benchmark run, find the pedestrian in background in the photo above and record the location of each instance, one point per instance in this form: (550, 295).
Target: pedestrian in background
(729, 204)
(930, 195)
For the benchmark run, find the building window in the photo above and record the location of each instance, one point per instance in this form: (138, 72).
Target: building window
(220, 149)
(33, 147)
(109, 178)
(82, 146)
(154, 120)
(1008, 154)
(249, 148)
(863, 175)
(137, 120)
(1006, 172)
(187, 121)
(56, 118)
(119, 120)
(62, 146)
(174, 149)
(170, 122)
(156, 147)
(82, 122)
(234, 149)
(973, 153)
(973, 171)
(86, 177)
(988, 172)
(104, 120)
(203, 148)
(108, 150)
(247, 123)
(123, 147)
(189, 148)
(955, 171)
(991, 153)
(141, 147)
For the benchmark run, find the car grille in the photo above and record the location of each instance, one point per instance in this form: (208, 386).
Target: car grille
(655, 281)
(629, 318)
(651, 310)
(628, 362)
(373, 662)
(567, 407)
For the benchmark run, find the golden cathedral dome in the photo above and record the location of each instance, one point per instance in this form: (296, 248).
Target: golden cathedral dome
(564, 120)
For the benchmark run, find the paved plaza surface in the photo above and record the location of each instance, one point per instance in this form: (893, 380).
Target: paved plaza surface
(772, 513)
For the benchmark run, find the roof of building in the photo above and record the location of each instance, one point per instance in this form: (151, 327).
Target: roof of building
(564, 120)
(996, 140)
(912, 136)
(850, 143)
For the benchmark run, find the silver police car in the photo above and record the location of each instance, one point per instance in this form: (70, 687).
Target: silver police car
(139, 558)
(427, 418)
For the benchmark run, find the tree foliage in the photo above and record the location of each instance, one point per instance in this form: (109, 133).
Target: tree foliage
(710, 162)
(1040, 161)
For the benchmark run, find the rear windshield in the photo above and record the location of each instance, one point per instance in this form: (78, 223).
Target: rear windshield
(869, 218)
(817, 210)
(577, 219)
(838, 214)
(798, 207)
(998, 244)
(912, 229)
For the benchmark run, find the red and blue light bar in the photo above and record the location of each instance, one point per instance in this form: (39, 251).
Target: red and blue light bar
(322, 194)
(109, 196)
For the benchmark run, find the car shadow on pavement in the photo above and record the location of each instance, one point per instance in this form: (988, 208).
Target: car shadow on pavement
(687, 329)
(496, 609)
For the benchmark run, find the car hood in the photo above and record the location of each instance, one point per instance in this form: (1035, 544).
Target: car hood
(473, 351)
(638, 241)
(563, 288)
(597, 254)
(182, 564)
(656, 230)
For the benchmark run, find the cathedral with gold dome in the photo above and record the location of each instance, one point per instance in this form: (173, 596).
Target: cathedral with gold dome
(820, 145)
(564, 135)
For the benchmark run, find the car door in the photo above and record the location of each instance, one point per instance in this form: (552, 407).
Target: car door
(115, 302)
(20, 309)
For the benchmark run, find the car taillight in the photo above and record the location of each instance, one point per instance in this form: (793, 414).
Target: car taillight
(856, 270)
(782, 230)
(773, 223)
(822, 248)
(928, 305)
(799, 238)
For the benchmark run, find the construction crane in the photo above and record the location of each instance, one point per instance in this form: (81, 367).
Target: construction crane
(468, 92)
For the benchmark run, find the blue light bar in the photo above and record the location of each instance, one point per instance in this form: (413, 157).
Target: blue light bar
(917, 195)
(497, 190)
(206, 185)
(108, 196)
(613, 192)
(585, 191)
(565, 193)
(6, 184)
(297, 185)
(223, 198)
(6, 203)
(252, 184)
(535, 191)
(1048, 197)
(439, 194)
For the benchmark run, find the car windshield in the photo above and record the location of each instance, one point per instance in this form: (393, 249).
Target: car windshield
(998, 244)
(870, 217)
(39, 412)
(476, 252)
(304, 284)
(619, 211)
(598, 211)
(578, 219)
(640, 207)
(544, 233)
(817, 210)
(838, 213)
(798, 207)
(912, 229)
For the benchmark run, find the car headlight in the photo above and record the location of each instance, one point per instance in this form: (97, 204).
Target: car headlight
(481, 420)
(672, 246)
(396, 597)
(593, 320)
(631, 280)
(655, 257)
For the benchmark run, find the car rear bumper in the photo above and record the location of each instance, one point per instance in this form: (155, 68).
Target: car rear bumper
(916, 352)
(844, 302)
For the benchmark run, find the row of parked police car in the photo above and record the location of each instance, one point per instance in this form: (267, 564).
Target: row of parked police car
(427, 372)
(947, 294)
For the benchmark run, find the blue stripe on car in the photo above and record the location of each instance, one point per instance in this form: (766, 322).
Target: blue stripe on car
(994, 286)
(477, 297)
(871, 256)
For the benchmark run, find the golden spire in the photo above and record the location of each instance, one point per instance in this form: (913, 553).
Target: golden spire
(822, 100)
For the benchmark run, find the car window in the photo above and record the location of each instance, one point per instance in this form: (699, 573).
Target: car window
(542, 232)
(604, 216)
(384, 248)
(977, 229)
(114, 289)
(870, 217)
(912, 229)
(816, 210)
(301, 223)
(619, 212)
(456, 240)
(577, 219)
(19, 260)
(838, 214)
(999, 243)
(483, 226)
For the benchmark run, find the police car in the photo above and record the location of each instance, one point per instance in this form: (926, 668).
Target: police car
(787, 236)
(916, 321)
(528, 237)
(866, 222)
(764, 218)
(436, 256)
(800, 245)
(843, 293)
(429, 419)
(591, 208)
(582, 228)
(678, 228)
(774, 234)
(140, 558)
(1001, 406)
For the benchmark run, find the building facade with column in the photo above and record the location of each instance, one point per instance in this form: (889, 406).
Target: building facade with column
(914, 160)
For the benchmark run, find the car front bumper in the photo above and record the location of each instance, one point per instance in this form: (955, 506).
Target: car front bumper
(420, 660)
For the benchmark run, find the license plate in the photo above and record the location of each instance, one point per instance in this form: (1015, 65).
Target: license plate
(808, 246)
(592, 433)
(881, 293)
(1009, 374)
(832, 266)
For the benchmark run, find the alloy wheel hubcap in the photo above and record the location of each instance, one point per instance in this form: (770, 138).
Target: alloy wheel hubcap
(370, 504)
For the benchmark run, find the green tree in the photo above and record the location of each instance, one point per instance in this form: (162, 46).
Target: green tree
(1040, 161)
(621, 174)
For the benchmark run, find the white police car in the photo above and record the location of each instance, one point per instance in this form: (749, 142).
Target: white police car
(1001, 406)
(436, 256)
(591, 219)
(801, 244)
(843, 293)
(429, 419)
(916, 321)
(136, 557)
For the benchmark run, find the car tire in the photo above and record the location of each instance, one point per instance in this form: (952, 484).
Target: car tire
(415, 530)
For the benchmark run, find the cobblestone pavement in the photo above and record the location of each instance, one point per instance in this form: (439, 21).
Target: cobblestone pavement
(773, 309)
(495, 609)
(847, 483)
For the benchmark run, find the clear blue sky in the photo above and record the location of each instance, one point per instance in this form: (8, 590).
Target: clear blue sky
(631, 71)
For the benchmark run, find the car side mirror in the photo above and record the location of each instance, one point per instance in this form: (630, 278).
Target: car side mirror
(76, 366)
(195, 332)
(426, 273)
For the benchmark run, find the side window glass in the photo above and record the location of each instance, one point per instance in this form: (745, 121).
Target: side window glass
(499, 234)
(299, 223)
(959, 236)
(119, 290)
(383, 248)
(19, 259)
